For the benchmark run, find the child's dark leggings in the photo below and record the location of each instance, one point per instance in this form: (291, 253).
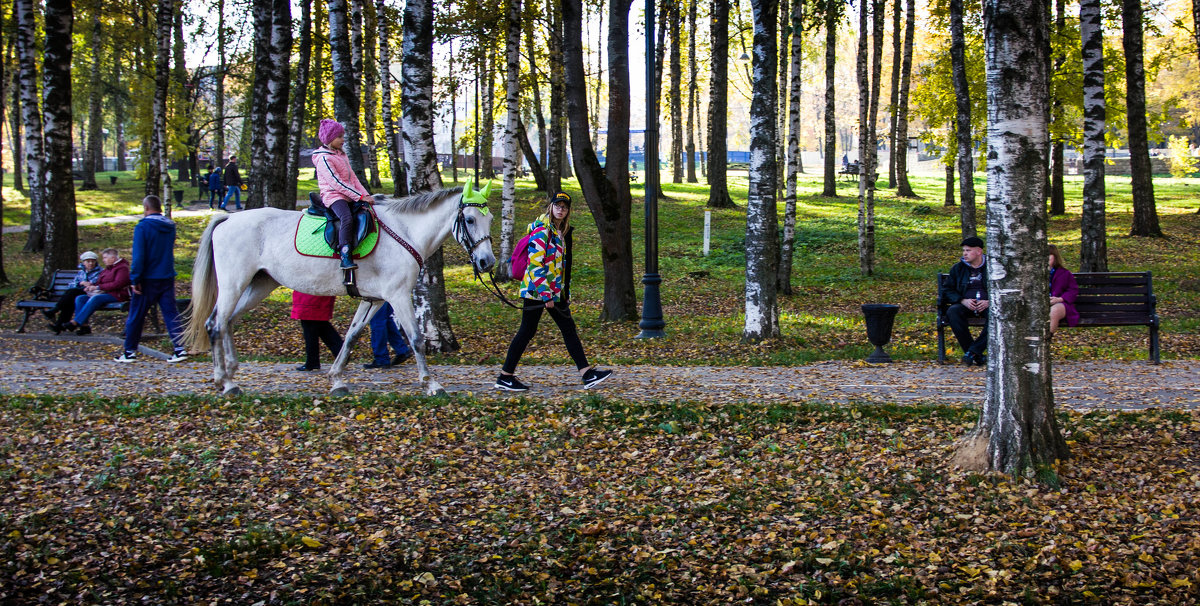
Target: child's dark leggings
(529, 323)
(316, 331)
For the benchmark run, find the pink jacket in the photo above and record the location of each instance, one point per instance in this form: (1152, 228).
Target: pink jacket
(311, 307)
(334, 177)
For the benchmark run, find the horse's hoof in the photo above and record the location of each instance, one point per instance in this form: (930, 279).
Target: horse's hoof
(338, 392)
(233, 392)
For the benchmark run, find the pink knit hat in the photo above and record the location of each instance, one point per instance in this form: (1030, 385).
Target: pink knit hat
(329, 130)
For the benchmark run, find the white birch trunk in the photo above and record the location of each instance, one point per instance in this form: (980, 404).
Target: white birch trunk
(512, 148)
(762, 304)
(1093, 246)
(32, 116)
(784, 281)
(161, 80)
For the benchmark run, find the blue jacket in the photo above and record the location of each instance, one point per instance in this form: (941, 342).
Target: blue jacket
(214, 180)
(85, 276)
(153, 249)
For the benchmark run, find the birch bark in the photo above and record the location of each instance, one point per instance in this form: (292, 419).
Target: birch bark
(962, 128)
(718, 109)
(31, 113)
(345, 95)
(62, 239)
(903, 187)
(383, 19)
(831, 21)
(299, 104)
(784, 280)
(512, 150)
(762, 303)
(692, 93)
(161, 184)
(1093, 247)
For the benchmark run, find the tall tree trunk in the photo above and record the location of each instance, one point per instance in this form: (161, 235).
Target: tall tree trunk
(693, 91)
(416, 106)
(831, 20)
(299, 103)
(866, 147)
(673, 19)
(962, 127)
(535, 84)
(903, 187)
(599, 75)
(897, 43)
(370, 86)
(219, 101)
(718, 109)
(177, 92)
(1017, 430)
(14, 115)
(781, 115)
(160, 185)
(487, 142)
(512, 148)
(318, 78)
(535, 167)
(16, 162)
(762, 220)
(784, 280)
(453, 118)
(950, 200)
(356, 45)
(383, 19)
(1145, 216)
(32, 115)
(345, 97)
(273, 43)
(62, 239)
(606, 189)
(1058, 202)
(1093, 246)
(93, 158)
(555, 136)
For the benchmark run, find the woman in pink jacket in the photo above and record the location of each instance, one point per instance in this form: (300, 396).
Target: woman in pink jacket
(339, 185)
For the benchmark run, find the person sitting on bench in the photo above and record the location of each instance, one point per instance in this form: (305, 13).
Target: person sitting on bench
(1063, 290)
(110, 286)
(60, 314)
(968, 296)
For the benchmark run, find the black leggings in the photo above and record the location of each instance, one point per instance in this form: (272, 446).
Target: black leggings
(316, 331)
(529, 323)
(341, 209)
(65, 308)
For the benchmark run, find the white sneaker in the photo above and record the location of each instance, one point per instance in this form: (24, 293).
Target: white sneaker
(179, 356)
(126, 357)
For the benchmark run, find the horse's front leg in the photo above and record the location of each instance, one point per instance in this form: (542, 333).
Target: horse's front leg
(403, 312)
(362, 315)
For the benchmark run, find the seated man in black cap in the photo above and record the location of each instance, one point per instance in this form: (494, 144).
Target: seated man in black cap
(968, 296)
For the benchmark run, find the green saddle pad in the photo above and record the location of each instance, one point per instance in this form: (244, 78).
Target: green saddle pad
(310, 239)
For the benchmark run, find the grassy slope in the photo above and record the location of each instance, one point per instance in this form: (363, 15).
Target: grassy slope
(702, 295)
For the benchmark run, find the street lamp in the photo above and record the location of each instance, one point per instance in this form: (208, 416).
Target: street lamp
(652, 323)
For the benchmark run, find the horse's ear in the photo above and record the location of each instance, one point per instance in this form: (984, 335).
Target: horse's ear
(487, 189)
(468, 187)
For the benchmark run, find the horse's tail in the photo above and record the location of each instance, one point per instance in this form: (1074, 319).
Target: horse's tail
(204, 291)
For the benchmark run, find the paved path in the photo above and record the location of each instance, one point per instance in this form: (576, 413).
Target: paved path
(84, 365)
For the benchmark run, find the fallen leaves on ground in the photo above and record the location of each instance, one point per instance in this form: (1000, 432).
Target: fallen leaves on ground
(466, 501)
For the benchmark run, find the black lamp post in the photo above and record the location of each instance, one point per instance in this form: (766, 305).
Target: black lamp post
(652, 323)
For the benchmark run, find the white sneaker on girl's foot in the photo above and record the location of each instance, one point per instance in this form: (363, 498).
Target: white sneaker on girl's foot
(593, 377)
(510, 383)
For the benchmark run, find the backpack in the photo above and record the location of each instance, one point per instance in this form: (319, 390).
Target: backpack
(520, 258)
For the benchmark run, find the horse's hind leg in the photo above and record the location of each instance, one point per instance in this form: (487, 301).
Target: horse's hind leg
(362, 315)
(403, 312)
(230, 306)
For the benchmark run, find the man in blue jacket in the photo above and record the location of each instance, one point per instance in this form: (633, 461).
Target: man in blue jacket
(152, 276)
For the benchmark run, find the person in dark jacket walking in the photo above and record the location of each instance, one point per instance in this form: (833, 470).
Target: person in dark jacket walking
(111, 286)
(384, 332)
(968, 296)
(60, 314)
(152, 277)
(314, 313)
(233, 185)
(216, 190)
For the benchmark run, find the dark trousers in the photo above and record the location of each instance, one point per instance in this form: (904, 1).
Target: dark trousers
(341, 209)
(384, 332)
(530, 316)
(957, 316)
(65, 308)
(316, 331)
(162, 292)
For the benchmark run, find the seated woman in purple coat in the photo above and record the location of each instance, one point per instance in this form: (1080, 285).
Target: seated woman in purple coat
(1063, 290)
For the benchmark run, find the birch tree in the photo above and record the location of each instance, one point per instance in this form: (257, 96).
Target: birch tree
(903, 187)
(692, 93)
(416, 106)
(512, 151)
(762, 303)
(962, 125)
(158, 177)
(62, 239)
(370, 93)
(868, 103)
(299, 103)
(272, 76)
(219, 102)
(345, 96)
(1145, 216)
(1093, 245)
(675, 96)
(897, 43)
(832, 10)
(31, 114)
(605, 188)
(384, 20)
(1016, 431)
(784, 280)
(718, 108)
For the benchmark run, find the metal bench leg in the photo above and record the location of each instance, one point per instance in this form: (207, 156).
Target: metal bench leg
(1154, 344)
(25, 320)
(941, 330)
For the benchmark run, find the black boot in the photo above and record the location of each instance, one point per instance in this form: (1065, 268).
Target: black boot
(347, 261)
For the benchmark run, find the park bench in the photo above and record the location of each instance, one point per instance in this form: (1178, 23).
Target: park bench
(44, 298)
(852, 170)
(1105, 299)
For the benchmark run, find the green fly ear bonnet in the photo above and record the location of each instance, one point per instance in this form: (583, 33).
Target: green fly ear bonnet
(479, 198)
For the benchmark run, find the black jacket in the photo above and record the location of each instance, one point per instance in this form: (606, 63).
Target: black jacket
(960, 276)
(232, 177)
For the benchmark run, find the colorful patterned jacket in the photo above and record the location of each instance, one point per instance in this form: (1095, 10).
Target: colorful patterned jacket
(544, 275)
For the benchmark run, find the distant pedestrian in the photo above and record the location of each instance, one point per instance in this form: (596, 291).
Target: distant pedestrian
(384, 332)
(152, 277)
(314, 313)
(233, 185)
(216, 187)
(547, 286)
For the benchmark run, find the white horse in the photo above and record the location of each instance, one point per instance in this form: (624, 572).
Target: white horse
(256, 253)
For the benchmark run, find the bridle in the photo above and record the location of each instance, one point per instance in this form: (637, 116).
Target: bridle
(460, 227)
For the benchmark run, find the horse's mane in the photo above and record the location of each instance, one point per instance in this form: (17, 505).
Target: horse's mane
(419, 202)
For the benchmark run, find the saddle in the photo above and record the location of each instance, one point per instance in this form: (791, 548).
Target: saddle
(364, 220)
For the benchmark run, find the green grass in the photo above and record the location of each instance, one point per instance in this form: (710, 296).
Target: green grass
(702, 295)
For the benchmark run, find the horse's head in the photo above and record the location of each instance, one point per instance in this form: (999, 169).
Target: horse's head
(473, 226)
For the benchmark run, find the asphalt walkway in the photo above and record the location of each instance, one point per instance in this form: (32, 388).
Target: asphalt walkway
(35, 363)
